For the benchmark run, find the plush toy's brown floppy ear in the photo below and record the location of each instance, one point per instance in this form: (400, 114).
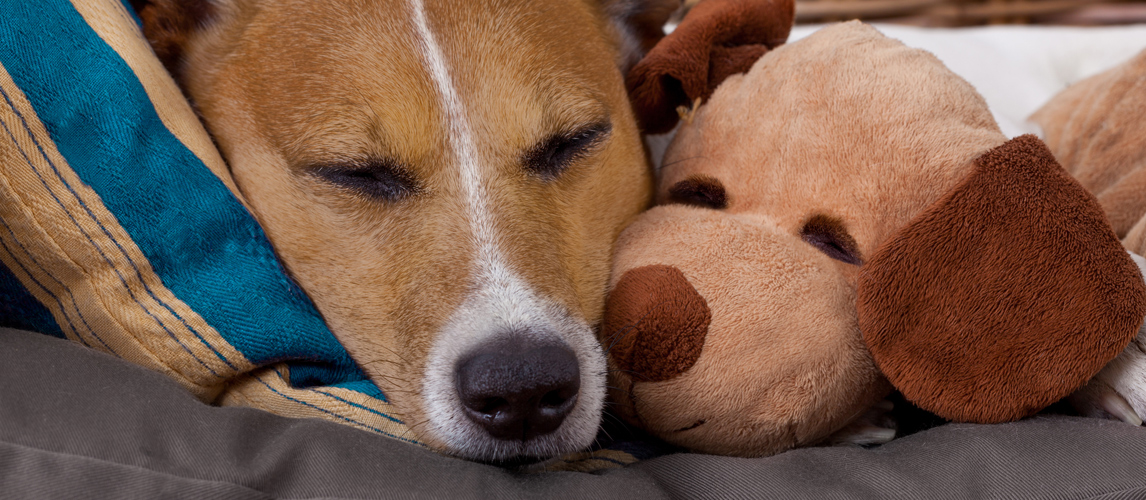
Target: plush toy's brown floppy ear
(1004, 296)
(717, 38)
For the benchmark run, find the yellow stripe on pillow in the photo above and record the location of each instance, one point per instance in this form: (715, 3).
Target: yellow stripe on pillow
(268, 389)
(69, 251)
(70, 245)
(66, 246)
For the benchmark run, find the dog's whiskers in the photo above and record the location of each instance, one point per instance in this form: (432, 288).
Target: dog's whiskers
(631, 373)
(682, 160)
(420, 423)
(624, 332)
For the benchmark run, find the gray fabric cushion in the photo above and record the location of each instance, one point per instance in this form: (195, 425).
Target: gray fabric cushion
(76, 423)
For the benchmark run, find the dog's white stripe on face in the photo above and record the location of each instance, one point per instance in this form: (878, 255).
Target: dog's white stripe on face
(503, 303)
(461, 138)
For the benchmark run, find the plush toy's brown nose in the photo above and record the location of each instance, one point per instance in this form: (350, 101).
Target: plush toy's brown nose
(655, 323)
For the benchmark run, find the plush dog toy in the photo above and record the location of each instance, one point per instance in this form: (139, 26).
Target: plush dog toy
(845, 219)
(1097, 130)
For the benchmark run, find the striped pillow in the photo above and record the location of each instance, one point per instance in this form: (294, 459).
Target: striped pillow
(120, 228)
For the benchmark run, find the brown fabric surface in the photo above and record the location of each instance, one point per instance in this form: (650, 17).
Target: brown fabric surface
(1097, 130)
(1004, 296)
(717, 38)
(655, 323)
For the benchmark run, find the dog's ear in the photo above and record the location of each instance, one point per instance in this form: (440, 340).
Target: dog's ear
(1004, 296)
(716, 39)
(640, 25)
(168, 24)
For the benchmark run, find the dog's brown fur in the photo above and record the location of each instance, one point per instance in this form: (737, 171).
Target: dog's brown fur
(288, 86)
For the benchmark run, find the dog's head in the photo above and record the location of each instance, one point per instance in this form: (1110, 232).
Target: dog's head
(848, 214)
(445, 180)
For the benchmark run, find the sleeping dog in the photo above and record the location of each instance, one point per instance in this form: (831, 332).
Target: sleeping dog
(445, 180)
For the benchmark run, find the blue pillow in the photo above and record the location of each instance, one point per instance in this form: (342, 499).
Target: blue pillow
(120, 228)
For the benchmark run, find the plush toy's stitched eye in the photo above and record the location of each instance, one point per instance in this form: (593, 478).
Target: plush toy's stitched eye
(700, 191)
(377, 179)
(828, 235)
(549, 158)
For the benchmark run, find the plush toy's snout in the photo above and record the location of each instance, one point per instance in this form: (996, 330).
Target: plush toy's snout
(656, 323)
(732, 336)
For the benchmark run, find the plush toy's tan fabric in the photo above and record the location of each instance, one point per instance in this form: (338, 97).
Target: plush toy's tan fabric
(717, 38)
(772, 200)
(1097, 130)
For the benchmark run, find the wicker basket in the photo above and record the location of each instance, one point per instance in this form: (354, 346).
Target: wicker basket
(974, 12)
(970, 12)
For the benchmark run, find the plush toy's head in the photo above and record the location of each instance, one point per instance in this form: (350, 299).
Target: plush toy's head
(845, 215)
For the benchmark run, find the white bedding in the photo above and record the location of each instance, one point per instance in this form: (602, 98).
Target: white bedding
(1018, 68)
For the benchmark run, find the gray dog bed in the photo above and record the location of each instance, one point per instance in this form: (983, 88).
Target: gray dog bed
(75, 423)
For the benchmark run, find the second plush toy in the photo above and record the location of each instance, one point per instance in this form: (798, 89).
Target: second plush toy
(845, 219)
(1097, 129)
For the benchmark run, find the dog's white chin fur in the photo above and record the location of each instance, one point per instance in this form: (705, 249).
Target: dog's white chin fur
(504, 304)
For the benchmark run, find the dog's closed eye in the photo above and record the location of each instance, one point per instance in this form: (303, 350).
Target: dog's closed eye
(829, 236)
(552, 156)
(701, 191)
(378, 179)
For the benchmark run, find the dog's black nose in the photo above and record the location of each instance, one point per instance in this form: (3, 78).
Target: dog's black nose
(517, 389)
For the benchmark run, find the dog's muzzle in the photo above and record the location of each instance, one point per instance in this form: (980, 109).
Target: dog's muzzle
(517, 388)
(513, 376)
